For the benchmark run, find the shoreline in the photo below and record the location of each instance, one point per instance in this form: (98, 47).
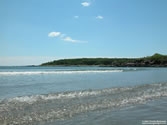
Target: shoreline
(156, 60)
(153, 66)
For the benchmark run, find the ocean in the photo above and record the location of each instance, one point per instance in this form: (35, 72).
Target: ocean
(82, 95)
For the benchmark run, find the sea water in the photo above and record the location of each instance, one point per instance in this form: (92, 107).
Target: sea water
(82, 95)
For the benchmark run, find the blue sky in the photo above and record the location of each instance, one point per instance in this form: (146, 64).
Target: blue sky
(36, 31)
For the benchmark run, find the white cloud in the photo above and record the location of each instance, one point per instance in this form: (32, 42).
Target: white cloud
(64, 37)
(69, 39)
(54, 34)
(76, 17)
(85, 4)
(99, 17)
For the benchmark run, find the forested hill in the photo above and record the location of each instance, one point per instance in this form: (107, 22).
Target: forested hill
(157, 60)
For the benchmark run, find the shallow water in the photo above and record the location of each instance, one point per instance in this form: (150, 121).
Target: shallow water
(130, 115)
(82, 95)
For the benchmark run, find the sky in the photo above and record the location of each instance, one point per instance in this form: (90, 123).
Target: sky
(38, 31)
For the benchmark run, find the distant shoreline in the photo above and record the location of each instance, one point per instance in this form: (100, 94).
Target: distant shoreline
(157, 60)
(153, 66)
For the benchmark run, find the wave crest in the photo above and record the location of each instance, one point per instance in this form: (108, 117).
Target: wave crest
(39, 108)
(58, 72)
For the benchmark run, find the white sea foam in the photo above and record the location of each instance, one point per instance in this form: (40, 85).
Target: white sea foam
(58, 72)
(143, 91)
(69, 95)
(63, 105)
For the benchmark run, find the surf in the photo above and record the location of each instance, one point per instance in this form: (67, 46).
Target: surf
(63, 105)
(58, 72)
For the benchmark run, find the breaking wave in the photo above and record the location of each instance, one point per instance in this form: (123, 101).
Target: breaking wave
(58, 72)
(69, 71)
(33, 109)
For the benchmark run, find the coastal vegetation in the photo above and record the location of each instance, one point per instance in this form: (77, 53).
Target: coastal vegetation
(157, 60)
